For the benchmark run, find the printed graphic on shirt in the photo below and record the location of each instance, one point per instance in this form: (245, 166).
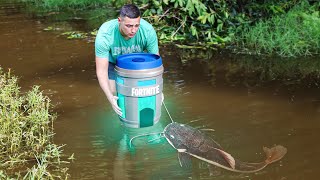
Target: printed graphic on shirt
(126, 50)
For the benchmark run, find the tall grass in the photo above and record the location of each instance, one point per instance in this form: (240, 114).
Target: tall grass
(26, 133)
(64, 4)
(296, 33)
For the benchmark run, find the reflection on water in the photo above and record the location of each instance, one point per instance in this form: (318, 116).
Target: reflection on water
(245, 116)
(112, 140)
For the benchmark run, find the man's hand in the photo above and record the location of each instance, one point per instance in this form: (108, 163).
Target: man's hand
(115, 106)
(102, 65)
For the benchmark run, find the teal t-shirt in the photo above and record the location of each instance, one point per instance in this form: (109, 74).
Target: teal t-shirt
(110, 43)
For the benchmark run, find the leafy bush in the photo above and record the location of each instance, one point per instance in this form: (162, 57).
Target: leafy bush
(190, 21)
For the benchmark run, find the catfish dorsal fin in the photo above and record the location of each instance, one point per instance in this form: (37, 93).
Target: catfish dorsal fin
(228, 158)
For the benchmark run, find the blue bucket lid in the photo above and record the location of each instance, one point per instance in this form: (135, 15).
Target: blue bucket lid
(139, 61)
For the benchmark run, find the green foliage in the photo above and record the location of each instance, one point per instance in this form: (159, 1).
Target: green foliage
(50, 5)
(26, 133)
(296, 33)
(207, 23)
(264, 9)
(190, 20)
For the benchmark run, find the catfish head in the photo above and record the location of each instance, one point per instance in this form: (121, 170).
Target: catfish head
(182, 136)
(175, 135)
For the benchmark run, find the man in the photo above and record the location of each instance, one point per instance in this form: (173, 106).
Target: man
(127, 34)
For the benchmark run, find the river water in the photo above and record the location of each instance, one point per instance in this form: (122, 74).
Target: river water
(242, 118)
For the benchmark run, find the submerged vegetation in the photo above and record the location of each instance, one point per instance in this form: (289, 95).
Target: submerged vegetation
(26, 134)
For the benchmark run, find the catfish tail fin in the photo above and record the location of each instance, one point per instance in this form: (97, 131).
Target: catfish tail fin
(275, 153)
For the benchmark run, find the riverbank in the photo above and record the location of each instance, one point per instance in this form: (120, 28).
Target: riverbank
(284, 29)
(281, 53)
(26, 134)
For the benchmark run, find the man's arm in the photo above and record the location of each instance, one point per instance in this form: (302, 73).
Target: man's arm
(108, 86)
(152, 42)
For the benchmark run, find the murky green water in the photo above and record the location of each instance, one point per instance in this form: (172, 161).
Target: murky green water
(245, 117)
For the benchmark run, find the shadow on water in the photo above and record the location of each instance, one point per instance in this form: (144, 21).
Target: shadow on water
(212, 90)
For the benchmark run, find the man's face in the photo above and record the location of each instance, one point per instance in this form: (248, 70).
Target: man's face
(128, 27)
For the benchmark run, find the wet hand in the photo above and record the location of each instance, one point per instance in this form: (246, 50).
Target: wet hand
(115, 106)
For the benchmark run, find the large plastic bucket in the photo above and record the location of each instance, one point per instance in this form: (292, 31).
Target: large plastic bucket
(139, 87)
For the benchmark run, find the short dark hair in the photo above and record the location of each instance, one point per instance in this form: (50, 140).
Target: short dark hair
(130, 11)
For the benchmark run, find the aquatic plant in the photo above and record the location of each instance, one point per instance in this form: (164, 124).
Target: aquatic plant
(296, 33)
(75, 35)
(26, 134)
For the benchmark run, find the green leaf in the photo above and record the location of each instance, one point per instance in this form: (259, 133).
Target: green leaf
(194, 31)
(203, 19)
(181, 3)
(190, 7)
(156, 3)
(162, 36)
(220, 26)
(176, 4)
(226, 14)
(212, 18)
(159, 11)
